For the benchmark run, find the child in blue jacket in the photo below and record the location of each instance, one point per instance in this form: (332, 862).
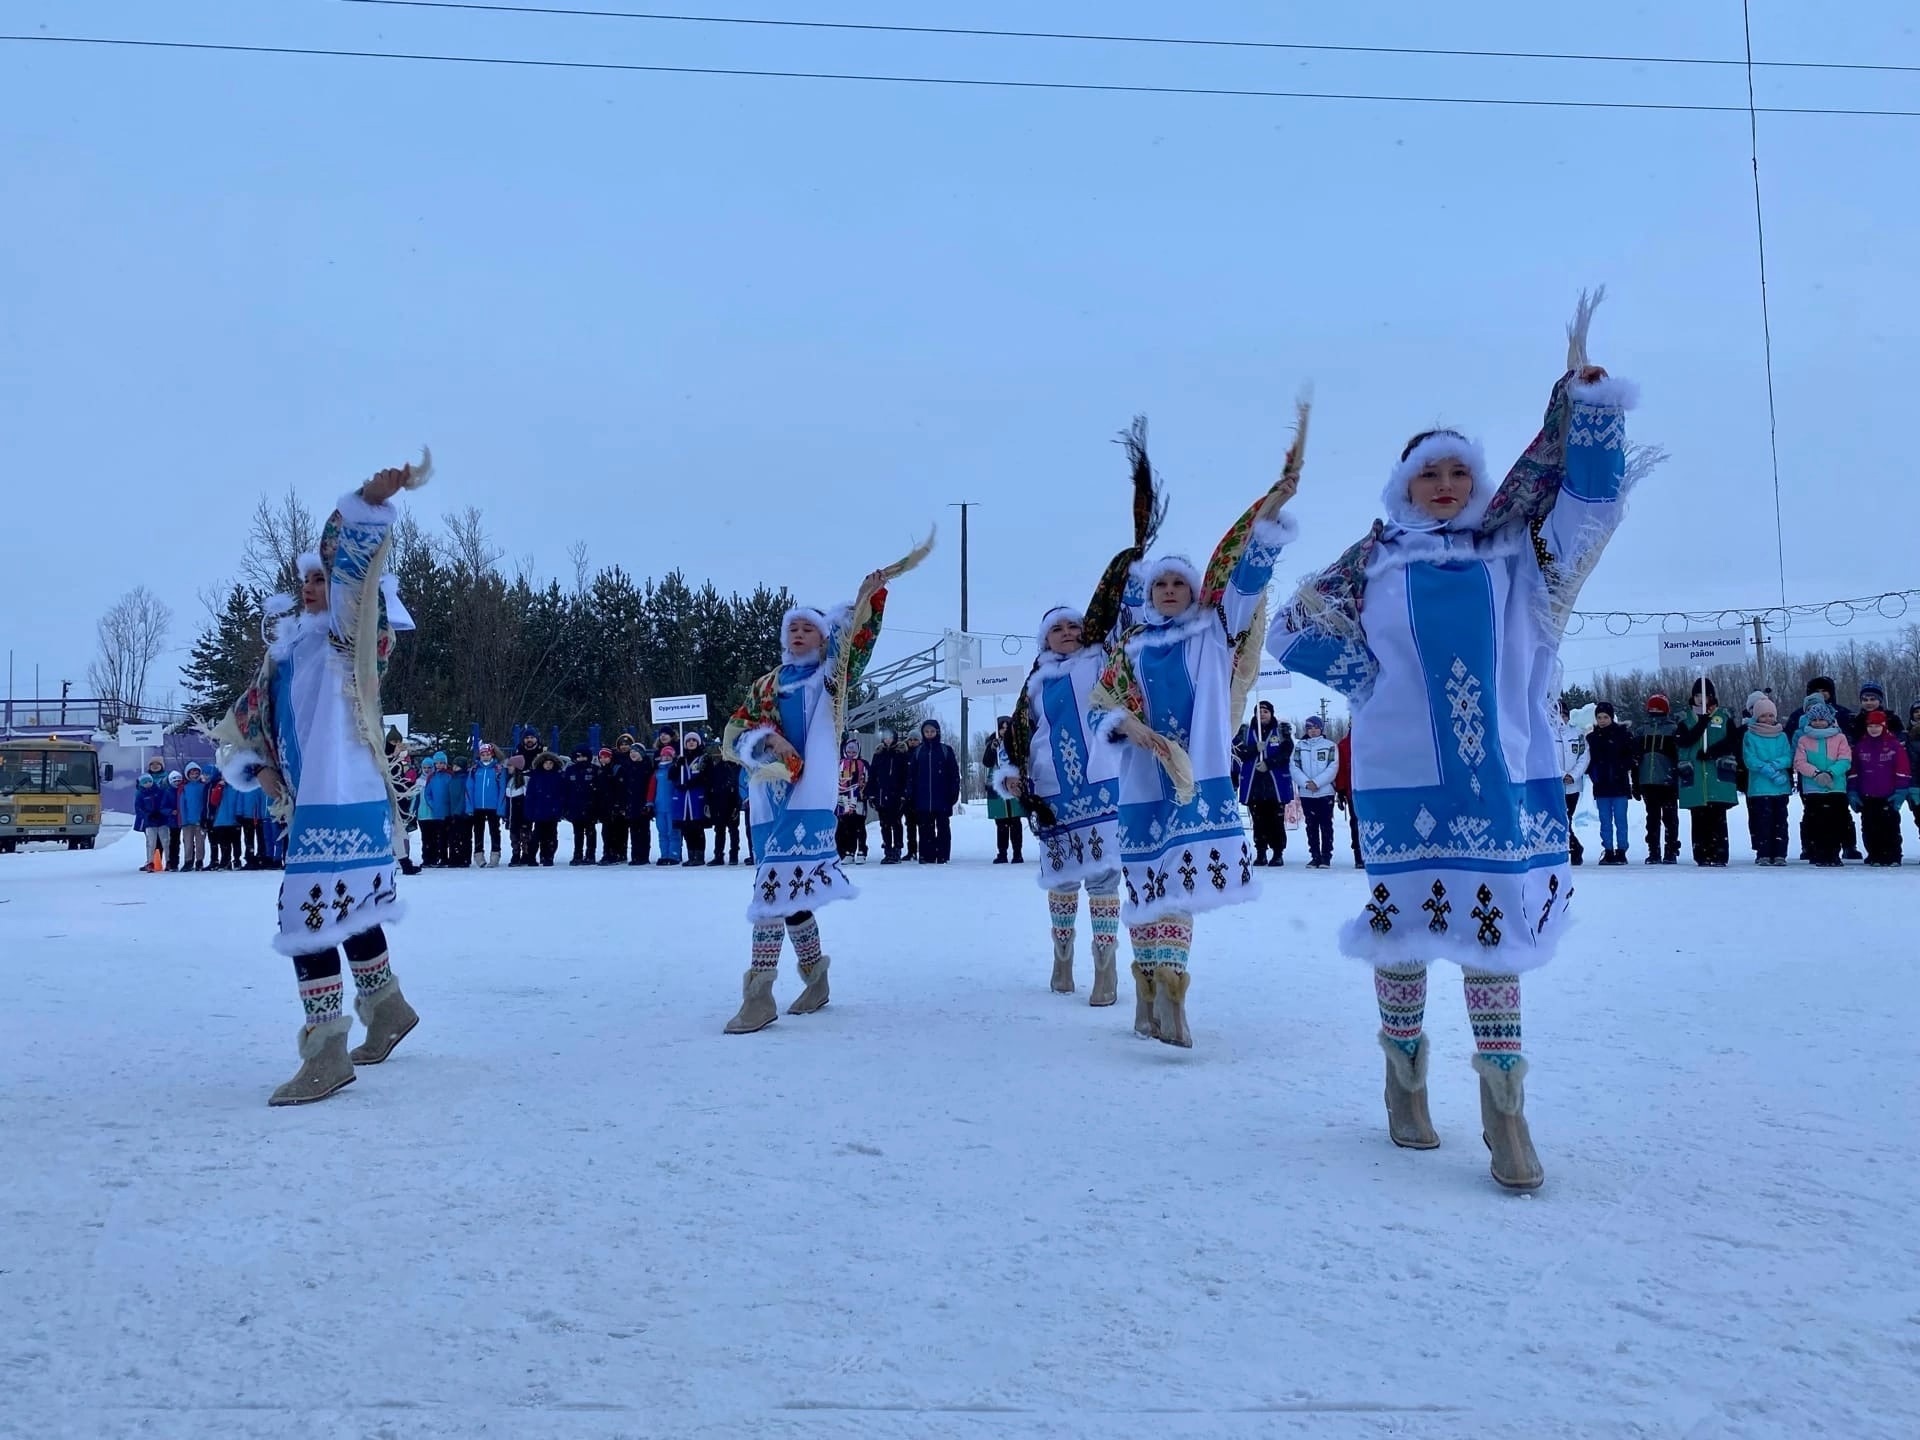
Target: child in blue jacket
(193, 818)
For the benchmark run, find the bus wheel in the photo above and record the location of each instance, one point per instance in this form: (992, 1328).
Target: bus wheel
(6, 847)
(73, 844)
(87, 844)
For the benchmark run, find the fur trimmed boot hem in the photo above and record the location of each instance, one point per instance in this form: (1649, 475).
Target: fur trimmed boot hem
(324, 1065)
(1408, 1124)
(389, 1020)
(757, 1007)
(1503, 1125)
(815, 996)
(1170, 1006)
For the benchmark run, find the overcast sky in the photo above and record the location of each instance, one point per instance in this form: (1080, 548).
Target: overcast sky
(768, 329)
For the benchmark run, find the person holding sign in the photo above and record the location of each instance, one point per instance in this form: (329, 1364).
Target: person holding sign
(786, 734)
(308, 732)
(1442, 628)
(1070, 783)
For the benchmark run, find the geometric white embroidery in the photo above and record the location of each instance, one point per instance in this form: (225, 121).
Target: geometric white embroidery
(1469, 720)
(1425, 823)
(1074, 772)
(324, 845)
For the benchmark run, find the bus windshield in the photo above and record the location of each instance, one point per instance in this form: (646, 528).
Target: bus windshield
(49, 772)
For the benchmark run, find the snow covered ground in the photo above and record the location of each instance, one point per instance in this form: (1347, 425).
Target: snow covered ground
(952, 1204)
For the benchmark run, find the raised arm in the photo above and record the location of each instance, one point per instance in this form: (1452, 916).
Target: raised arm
(1242, 564)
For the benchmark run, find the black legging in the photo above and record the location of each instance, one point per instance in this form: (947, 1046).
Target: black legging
(1709, 823)
(487, 821)
(1008, 831)
(325, 964)
(936, 839)
(546, 841)
(1319, 809)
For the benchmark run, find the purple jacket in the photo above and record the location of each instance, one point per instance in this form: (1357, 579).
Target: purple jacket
(1880, 766)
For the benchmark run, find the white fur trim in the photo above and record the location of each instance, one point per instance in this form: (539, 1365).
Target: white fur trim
(1002, 777)
(1144, 572)
(306, 942)
(355, 509)
(1056, 614)
(746, 747)
(1613, 393)
(241, 768)
(1282, 529)
(308, 562)
(1404, 512)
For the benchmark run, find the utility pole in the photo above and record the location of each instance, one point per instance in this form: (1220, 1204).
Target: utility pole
(966, 760)
(1760, 651)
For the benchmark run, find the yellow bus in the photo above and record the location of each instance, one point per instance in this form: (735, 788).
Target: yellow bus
(49, 790)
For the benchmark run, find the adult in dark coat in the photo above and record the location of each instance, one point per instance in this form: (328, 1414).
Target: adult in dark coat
(723, 806)
(614, 822)
(1262, 755)
(933, 791)
(580, 815)
(545, 805)
(889, 775)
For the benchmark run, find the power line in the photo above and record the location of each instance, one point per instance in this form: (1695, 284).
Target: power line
(1889, 605)
(962, 81)
(1164, 40)
(1766, 317)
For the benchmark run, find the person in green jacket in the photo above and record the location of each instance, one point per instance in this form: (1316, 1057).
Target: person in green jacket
(1767, 751)
(1709, 772)
(1008, 831)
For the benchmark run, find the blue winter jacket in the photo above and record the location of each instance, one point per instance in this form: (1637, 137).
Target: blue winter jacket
(457, 796)
(1275, 783)
(935, 787)
(193, 802)
(547, 794)
(436, 796)
(227, 812)
(153, 805)
(664, 795)
(487, 786)
(1769, 763)
(690, 790)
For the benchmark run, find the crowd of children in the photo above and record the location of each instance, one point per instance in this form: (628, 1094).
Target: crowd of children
(1842, 763)
(193, 819)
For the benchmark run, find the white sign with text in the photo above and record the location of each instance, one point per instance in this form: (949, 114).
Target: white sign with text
(1697, 650)
(669, 709)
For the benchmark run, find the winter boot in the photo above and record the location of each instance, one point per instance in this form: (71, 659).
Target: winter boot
(1143, 1002)
(324, 1066)
(757, 1009)
(1170, 1006)
(814, 997)
(407, 866)
(1106, 976)
(1408, 1123)
(1062, 982)
(389, 1020)
(1503, 1124)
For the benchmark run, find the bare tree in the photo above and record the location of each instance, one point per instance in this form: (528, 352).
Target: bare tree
(467, 547)
(132, 634)
(577, 553)
(282, 531)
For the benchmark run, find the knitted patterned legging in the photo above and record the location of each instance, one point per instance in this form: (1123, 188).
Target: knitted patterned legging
(1493, 1008)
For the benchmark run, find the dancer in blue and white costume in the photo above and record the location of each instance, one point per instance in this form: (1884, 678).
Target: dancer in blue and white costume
(1173, 691)
(308, 732)
(1069, 782)
(1442, 628)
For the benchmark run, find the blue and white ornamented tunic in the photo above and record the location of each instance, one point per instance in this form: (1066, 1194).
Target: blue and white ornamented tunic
(309, 716)
(1183, 844)
(794, 819)
(1445, 638)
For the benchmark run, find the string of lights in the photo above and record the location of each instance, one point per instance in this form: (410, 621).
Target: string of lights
(1777, 619)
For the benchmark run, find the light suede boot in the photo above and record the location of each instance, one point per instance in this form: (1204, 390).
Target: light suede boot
(324, 1066)
(1408, 1123)
(1143, 1023)
(757, 1007)
(1503, 1123)
(1106, 976)
(815, 996)
(1062, 982)
(389, 1020)
(1170, 1006)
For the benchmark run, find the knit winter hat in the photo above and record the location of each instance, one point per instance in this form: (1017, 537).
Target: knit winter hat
(694, 742)
(175, 776)
(1754, 700)
(1659, 705)
(606, 753)
(1819, 683)
(1819, 712)
(1603, 707)
(193, 768)
(486, 748)
(1314, 722)
(850, 750)
(580, 752)
(1876, 717)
